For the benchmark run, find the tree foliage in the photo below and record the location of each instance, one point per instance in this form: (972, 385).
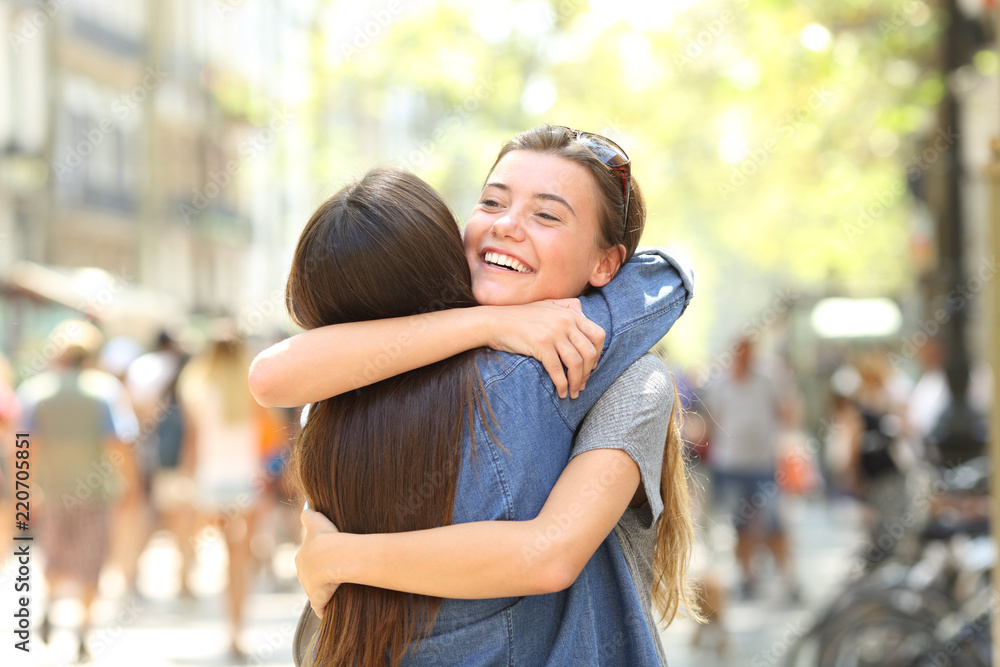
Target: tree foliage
(772, 138)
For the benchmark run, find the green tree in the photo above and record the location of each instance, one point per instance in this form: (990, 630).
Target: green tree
(772, 138)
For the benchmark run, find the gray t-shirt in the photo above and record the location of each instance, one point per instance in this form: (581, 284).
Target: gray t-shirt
(632, 416)
(745, 412)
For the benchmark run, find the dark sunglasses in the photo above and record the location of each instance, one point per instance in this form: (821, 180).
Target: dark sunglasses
(613, 156)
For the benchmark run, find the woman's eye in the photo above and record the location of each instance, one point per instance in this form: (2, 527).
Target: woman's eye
(489, 203)
(547, 216)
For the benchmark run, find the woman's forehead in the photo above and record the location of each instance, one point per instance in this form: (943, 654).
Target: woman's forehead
(542, 172)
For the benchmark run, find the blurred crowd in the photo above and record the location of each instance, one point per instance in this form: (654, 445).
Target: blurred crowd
(127, 441)
(130, 440)
(882, 437)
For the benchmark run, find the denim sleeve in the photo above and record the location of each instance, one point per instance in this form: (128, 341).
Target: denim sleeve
(636, 310)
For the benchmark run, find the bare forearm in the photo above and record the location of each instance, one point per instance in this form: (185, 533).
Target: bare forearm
(329, 361)
(467, 561)
(483, 559)
(488, 559)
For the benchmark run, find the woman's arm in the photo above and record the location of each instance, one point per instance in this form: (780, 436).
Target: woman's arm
(329, 361)
(484, 559)
(647, 296)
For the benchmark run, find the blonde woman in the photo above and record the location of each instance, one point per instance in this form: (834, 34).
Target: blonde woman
(221, 454)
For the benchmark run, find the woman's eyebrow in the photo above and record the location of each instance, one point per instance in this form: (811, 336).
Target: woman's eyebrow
(553, 197)
(538, 195)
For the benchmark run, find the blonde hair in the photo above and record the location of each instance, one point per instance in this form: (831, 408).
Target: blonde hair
(223, 365)
(675, 529)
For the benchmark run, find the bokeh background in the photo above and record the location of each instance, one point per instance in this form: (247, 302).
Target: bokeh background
(827, 168)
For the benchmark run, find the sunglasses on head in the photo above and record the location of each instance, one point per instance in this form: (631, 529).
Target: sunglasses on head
(613, 156)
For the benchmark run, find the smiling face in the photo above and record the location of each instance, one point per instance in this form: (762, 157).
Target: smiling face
(534, 233)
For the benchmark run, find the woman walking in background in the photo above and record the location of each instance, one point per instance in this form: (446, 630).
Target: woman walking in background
(222, 455)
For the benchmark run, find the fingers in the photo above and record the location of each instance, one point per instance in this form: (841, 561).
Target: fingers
(572, 304)
(589, 354)
(316, 522)
(573, 361)
(557, 334)
(578, 342)
(306, 571)
(594, 333)
(591, 330)
(553, 366)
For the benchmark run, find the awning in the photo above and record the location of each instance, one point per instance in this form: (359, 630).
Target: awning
(113, 300)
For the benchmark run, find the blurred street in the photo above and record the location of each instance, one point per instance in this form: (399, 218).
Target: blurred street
(161, 628)
(165, 630)
(759, 631)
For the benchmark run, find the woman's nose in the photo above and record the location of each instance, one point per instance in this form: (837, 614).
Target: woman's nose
(508, 226)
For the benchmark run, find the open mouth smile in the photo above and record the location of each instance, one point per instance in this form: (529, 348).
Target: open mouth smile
(505, 262)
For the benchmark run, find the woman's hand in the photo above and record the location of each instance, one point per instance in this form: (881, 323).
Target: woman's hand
(556, 333)
(312, 559)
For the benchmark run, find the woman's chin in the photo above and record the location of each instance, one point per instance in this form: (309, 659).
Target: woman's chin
(490, 293)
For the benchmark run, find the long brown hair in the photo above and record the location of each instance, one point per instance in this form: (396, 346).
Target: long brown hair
(559, 141)
(386, 246)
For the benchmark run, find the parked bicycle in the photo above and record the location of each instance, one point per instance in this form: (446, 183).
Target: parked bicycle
(925, 599)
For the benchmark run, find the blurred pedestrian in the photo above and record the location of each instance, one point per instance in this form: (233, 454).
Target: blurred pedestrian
(128, 512)
(932, 398)
(117, 354)
(222, 454)
(838, 440)
(77, 428)
(746, 410)
(878, 458)
(168, 492)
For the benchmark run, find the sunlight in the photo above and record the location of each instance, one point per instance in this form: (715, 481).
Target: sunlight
(815, 37)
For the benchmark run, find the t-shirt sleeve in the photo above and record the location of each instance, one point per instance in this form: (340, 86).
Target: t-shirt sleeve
(632, 416)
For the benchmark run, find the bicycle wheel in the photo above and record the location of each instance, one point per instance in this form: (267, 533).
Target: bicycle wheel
(880, 637)
(969, 647)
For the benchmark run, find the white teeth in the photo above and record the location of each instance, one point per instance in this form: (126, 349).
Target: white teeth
(506, 260)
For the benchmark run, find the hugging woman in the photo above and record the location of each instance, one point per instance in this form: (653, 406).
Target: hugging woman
(517, 536)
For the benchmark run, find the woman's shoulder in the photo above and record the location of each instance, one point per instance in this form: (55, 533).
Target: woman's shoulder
(643, 393)
(633, 414)
(646, 377)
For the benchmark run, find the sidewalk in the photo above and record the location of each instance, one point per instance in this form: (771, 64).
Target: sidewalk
(824, 539)
(161, 630)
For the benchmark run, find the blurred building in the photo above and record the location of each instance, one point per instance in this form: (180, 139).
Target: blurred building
(155, 141)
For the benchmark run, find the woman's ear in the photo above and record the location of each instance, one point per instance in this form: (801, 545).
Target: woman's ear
(611, 260)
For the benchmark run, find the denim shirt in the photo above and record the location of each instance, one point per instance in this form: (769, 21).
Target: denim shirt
(594, 621)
